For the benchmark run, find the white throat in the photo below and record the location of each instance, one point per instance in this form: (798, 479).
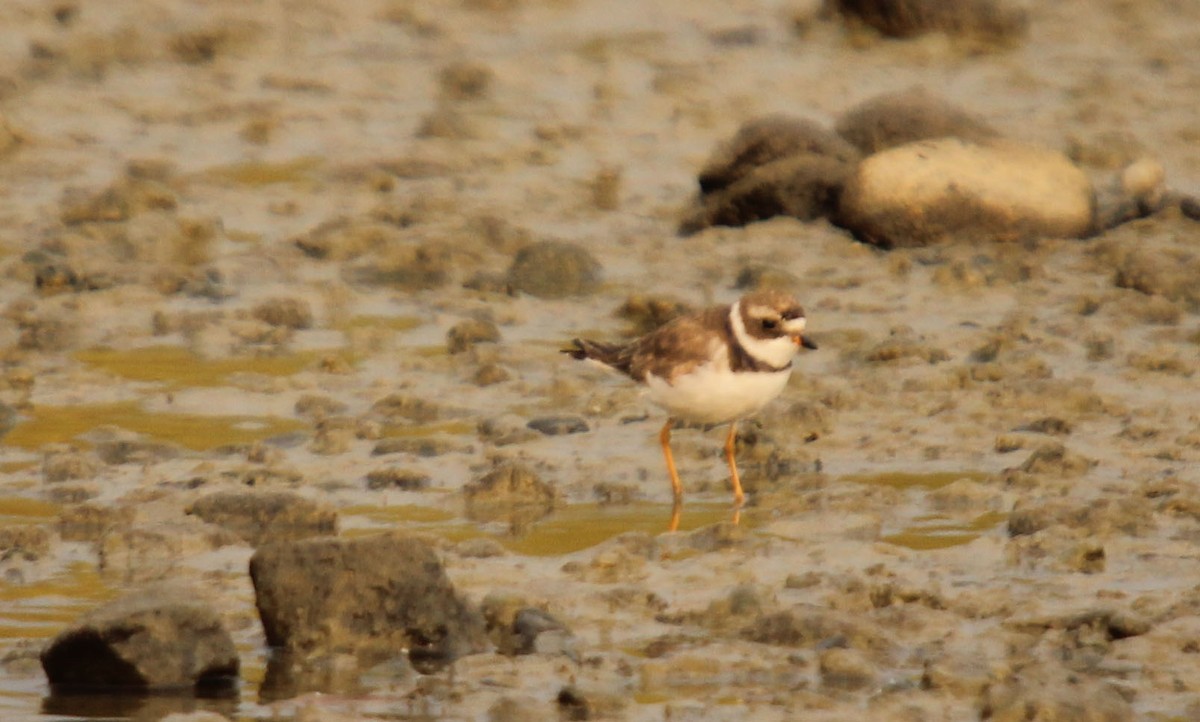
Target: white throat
(775, 352)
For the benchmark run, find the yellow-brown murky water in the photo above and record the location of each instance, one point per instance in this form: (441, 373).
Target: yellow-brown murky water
(198, 432)
(259, 173)
(41, 609)
(932, 532)
(178, 367)
(570, 529)
(907, 480)
(937, 532)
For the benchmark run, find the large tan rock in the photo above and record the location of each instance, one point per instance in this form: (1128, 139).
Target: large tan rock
(933, 191)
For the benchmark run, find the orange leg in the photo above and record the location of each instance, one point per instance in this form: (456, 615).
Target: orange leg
(664, 436)
(738, 495)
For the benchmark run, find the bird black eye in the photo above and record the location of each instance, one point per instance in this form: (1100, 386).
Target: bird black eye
(770, 324)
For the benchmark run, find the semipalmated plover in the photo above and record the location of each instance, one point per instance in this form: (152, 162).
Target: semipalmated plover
(712, 367)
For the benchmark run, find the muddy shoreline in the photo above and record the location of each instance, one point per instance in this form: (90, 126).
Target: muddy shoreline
(270, 247)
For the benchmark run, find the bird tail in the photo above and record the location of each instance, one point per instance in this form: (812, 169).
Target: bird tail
(606, 353)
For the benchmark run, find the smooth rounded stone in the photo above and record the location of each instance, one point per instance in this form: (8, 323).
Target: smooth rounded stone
(1054, 458)
(893, 119)
(991, 20)
(393, 478)
(804, 187)
(762, 141)
(948, 189)
(535, 631)
(554, 269)
(559, 425)
(511, 492)
(846, 669)
(375, 597)
(1047, 691)
(463, 335)
(258, 516)
(162, 637)
(293, 313)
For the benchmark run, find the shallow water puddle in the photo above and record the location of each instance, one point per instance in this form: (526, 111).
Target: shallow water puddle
(907, 480)
(178, 367)
(22, 510)
(60, 424)
(570, 529)
(260, 173)
(936, 532)
(932, 532)
(42, 609)
(391, 323)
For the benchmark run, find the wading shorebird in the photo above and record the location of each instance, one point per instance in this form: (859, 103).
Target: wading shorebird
(713, 367)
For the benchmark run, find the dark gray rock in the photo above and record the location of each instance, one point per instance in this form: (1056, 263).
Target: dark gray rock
(257, 516)
(373, 597)
(554, 269)
(762, 141)
(893, 119)
(558, 425)
(163, 637)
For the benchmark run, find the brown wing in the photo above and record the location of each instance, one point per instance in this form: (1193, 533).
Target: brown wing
(677, 347)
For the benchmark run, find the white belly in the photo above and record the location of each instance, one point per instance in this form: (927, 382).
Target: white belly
(715, 395)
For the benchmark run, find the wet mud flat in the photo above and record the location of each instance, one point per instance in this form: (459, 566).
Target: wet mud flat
(293, 279)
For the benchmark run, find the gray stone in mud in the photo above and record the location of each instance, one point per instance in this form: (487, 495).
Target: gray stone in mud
(553, 269)
(766, 140)
(949, 189)
(257, 516)
(893, 119)
(559, 425)
(1049, 692)
(373, 597)
(163, 637)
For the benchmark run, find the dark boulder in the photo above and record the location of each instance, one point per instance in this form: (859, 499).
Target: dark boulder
(163, 637)
(374, 597)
